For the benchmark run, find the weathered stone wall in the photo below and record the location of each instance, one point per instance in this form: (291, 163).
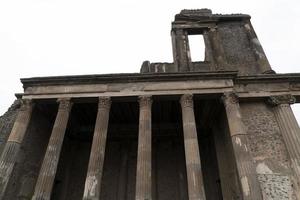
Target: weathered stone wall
(268, 151)
(237, 48)
(7, 121)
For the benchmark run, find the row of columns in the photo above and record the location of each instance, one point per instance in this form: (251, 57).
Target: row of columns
(245, 168)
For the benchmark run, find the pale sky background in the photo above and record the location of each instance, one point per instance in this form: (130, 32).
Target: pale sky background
(68, 37)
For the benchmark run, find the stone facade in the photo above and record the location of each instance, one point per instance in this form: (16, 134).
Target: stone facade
(268, 151)
(221, 128)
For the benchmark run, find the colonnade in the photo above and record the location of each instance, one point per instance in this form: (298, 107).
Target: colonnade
(245, 167)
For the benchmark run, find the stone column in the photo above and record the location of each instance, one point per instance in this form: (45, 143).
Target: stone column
(95, 168)
(13, 144)
(290, 131)
(182, 58)
(43, 187)
(192, 154)
(245, 165)
(143, 173)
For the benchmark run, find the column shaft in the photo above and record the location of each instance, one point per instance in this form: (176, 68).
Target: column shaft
(244, 162)
(47, 173)
(290, 132)
(95, 168)
(12, 147)
(192, 154)
(143, 174)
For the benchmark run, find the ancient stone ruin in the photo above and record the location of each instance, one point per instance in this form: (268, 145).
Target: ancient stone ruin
(221, 128)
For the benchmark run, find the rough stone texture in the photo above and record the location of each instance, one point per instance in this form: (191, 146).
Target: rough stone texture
(7, 121)
(230, 44)
(268, 151)
(276, 186)
(237, 49)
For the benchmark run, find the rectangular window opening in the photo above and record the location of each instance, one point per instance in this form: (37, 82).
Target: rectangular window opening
(197, 48)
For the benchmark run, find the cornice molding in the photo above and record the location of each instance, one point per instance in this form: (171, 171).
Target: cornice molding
(186, 100)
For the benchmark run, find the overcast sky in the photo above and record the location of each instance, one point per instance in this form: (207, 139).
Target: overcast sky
(68, 37)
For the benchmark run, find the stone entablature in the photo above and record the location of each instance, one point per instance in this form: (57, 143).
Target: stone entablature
(260, 86)
(227, 120)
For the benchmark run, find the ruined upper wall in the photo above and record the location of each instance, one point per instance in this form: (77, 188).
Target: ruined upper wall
(230, 44)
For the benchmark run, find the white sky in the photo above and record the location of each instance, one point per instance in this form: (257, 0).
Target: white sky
(67, 37)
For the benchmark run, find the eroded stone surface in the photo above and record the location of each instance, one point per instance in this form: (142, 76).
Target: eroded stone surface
(276, 187)
(6, 123)
(268, 150)
(265, 140)
(230, 44)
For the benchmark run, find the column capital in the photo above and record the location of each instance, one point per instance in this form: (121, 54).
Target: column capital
(26, 104)
(179, 31)
(230, 97)
(64, 103)
(213, 29)
(186, 100)
(281, 99)
(145, 101)
(104, 102)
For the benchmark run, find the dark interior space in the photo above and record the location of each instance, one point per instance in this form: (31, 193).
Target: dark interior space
(32, 151)
(225, 158)
(207, 113)
(168, 160)
(119, 170)
(74, 157)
